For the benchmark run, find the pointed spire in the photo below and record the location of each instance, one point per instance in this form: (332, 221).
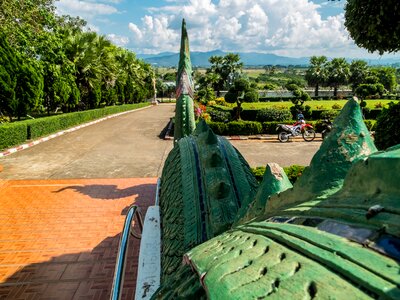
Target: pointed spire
(184, 81)
(274, 181)
(184, 113)
(348, 142)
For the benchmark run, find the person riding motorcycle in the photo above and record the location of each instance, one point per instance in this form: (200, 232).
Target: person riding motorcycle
(299, 123)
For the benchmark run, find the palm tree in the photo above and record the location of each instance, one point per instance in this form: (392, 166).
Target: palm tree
(316, 74)
(358, 73)
(338, 73)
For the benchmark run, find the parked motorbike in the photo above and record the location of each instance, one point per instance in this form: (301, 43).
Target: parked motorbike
(297, 129)
(327, 127)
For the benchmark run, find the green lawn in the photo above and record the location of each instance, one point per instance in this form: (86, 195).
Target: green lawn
(320, 104)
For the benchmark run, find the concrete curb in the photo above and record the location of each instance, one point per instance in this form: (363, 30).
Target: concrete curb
(59, 133)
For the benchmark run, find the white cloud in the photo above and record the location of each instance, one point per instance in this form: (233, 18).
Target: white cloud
(119, 40)
(85, 9)
(154, 34)
(288, 27)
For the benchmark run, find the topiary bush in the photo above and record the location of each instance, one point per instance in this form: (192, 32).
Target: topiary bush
(273, 114)
(387, 132)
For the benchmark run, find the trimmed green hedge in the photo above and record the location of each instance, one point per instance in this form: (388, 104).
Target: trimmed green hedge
(44, 126)
(12, 134)
(253, 128)
(17, 133)
(316, 114)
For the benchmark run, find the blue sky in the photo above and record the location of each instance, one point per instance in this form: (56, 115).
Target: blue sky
(285, 27)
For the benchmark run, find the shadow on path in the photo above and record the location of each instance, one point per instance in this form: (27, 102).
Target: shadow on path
(82, 275)
(62, 270)
(110, 192)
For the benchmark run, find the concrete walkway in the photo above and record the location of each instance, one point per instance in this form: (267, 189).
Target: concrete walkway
(123, 147)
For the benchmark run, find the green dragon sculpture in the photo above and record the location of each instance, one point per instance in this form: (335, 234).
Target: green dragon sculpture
(184, 112)
(334, 235)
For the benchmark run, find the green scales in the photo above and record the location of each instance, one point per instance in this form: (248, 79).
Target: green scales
(333, 235)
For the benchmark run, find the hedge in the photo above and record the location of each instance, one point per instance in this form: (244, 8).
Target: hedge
(17, 133)
(49, 125)
(293, 172)
(12, 134)
(254, 128)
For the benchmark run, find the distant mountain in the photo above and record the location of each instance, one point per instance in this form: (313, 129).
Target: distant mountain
(200, 59)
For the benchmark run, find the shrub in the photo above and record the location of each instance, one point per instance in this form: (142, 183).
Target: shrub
(211, 103)
(220, 101)
(270, 86)
(244, 128)
(387, 131)
(251, 96)
(379, 105)
(218, 127)
(219, 115)
(258, 173)
(273, 114)
(294, 172)
(329, 114)
(371, 124)
(336, 106)
(12, 134)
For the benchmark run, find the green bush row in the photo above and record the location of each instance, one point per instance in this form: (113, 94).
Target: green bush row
(253, 128)
(12, 134)
(268, 114)
(16, 133)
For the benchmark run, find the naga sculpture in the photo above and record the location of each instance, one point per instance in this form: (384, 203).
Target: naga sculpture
(184, 111)
(333, 235)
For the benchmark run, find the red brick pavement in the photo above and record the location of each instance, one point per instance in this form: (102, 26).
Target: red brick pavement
(59, 239)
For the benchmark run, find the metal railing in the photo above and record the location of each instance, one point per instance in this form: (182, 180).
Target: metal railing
(119, 274)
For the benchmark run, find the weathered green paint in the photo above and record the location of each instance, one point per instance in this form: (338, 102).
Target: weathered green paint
(282, 260)
(184, 113)
(348, 142)
(274, 181)
(263, 259)
(184, 117)
(204, 183)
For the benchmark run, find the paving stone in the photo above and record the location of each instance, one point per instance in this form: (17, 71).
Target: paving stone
(59, 238)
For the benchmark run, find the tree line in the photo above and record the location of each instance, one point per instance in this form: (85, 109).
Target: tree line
(363, 79)
(50, 62)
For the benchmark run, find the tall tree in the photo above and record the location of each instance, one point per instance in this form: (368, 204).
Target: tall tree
(338, 73)
(386, 76)
(228, 68)
(358, 73)
(374, 24)
(21, 79)
(316, 74)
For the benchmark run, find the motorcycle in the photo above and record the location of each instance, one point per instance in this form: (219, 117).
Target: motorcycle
(297, 129)
(327, 127)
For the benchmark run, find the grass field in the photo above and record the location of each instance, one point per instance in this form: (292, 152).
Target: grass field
(320, 104)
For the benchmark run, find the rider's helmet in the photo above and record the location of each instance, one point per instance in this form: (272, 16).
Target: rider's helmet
(300, 117)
